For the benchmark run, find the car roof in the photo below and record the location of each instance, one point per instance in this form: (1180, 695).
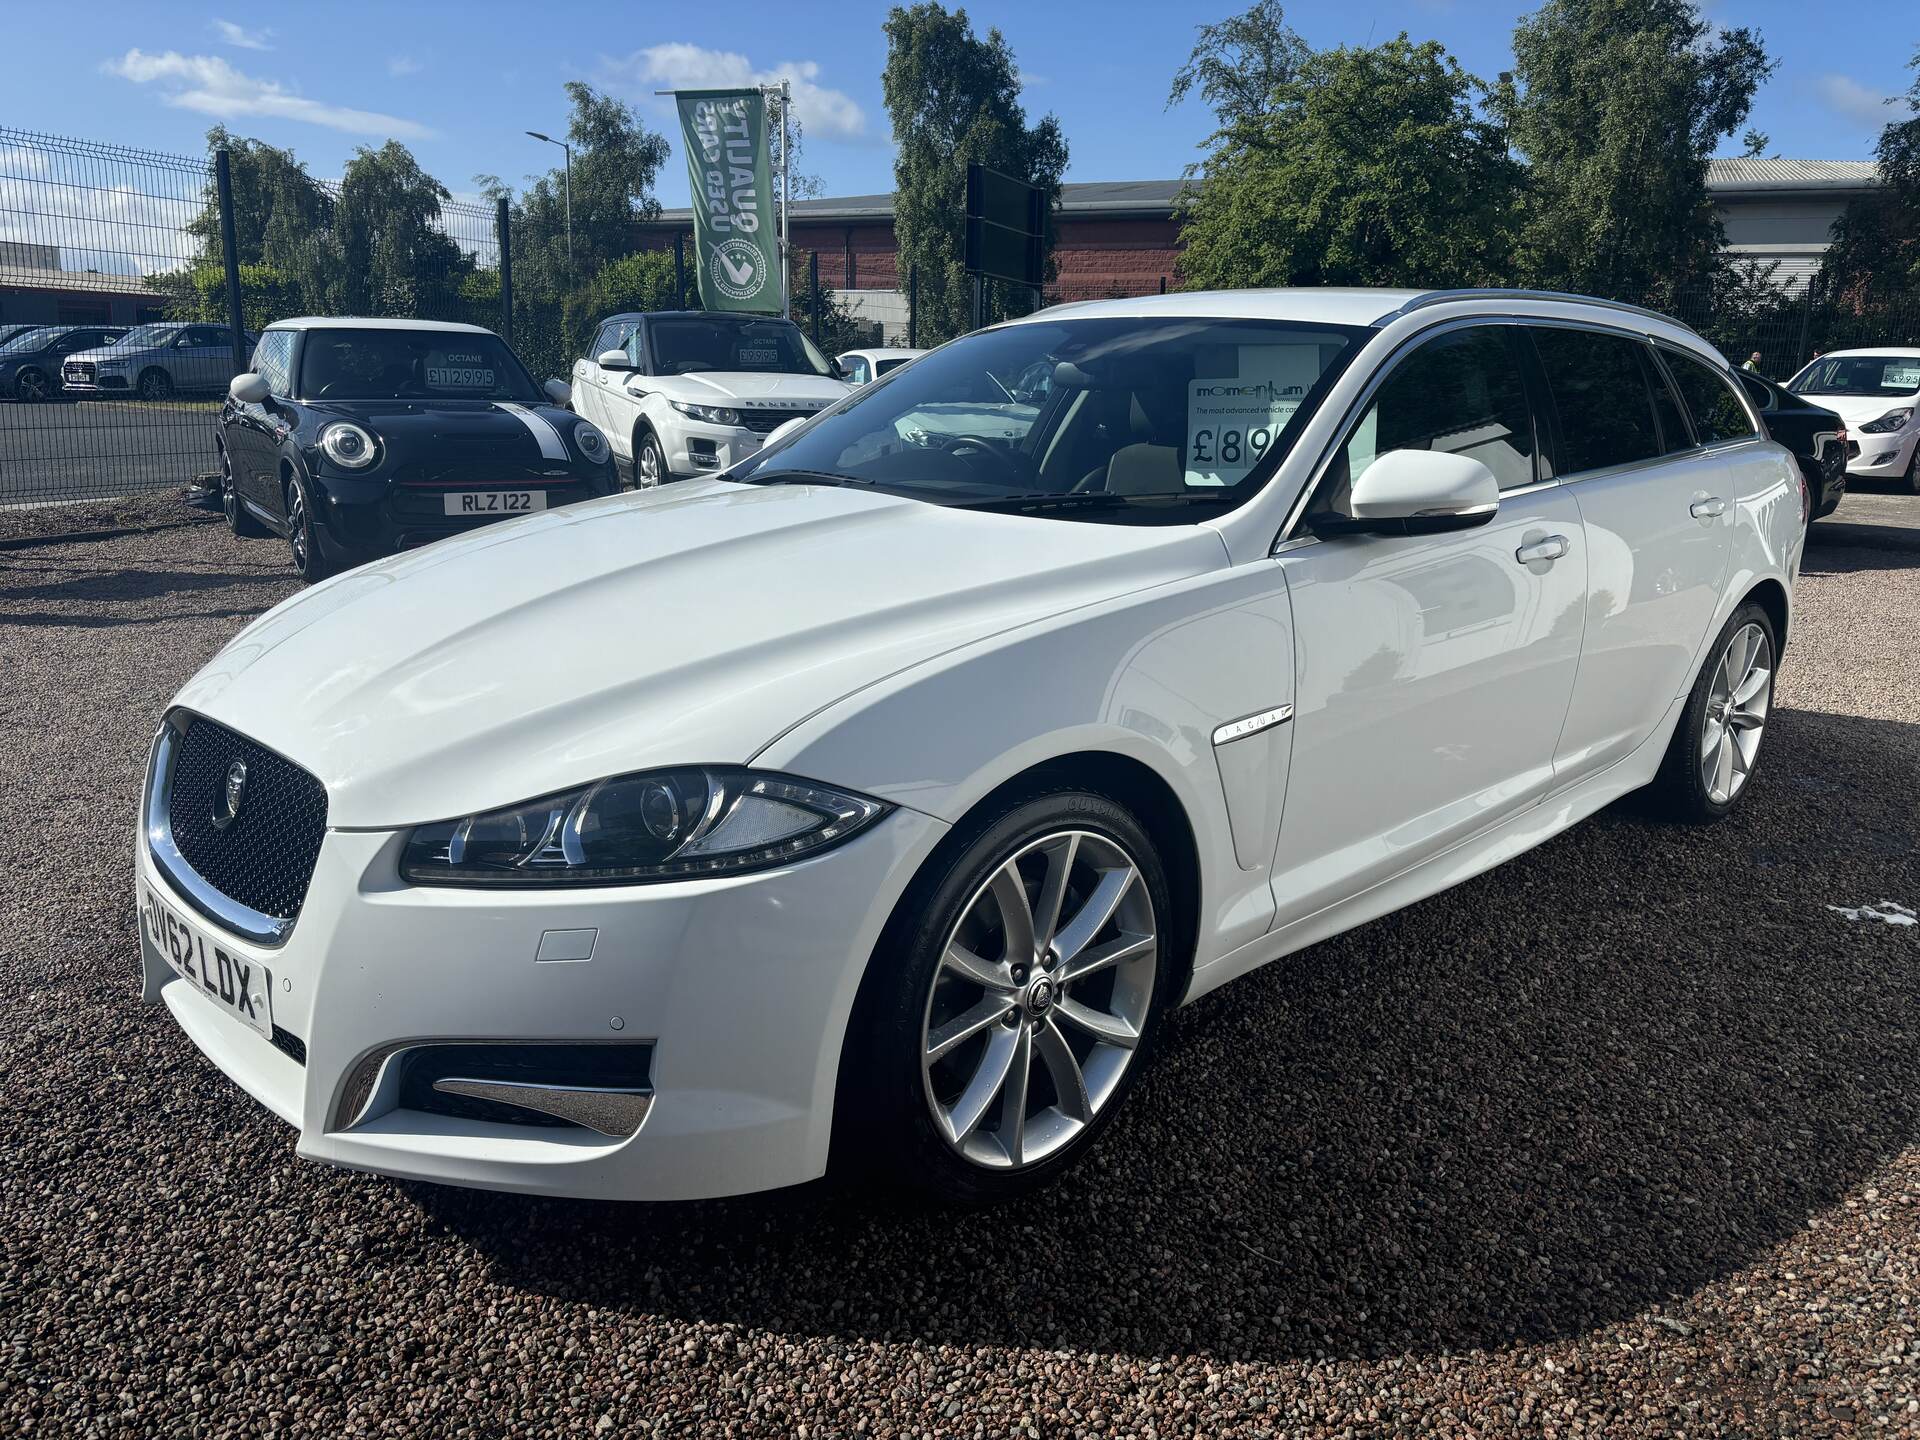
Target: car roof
(366, 322)
(1896, 352)
(1331, 305)
(882, 352)
(729, 315)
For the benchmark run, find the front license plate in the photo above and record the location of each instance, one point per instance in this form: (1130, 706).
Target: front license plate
(241, 987)
(496, 502)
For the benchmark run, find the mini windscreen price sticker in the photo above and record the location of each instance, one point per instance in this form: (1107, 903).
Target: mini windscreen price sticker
(1233, 420)
(456, 370)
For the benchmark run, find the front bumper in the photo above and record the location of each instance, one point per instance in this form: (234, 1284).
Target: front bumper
(1883, 457)
(742, 985)
(693, 447)
(361, 518)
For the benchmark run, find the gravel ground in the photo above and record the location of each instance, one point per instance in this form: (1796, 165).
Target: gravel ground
(1618, 1139)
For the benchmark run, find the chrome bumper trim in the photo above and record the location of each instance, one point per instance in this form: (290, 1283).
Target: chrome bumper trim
(616, 1113)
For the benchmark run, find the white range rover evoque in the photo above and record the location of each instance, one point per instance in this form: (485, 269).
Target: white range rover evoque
(691, 392)
(878, 799)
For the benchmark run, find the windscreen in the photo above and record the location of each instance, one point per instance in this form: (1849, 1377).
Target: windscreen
(701, 343)
(29, 340)
(1104, 412)
(146, 337)
(1892, 376)
(410, 365)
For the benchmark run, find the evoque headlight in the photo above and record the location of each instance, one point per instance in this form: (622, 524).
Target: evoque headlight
(656, 825)
(347, 445)
(711, 414)
(1888, 422)
(593, 445)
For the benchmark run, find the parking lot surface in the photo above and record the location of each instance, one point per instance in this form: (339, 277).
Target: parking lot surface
(66, 449)
(1621, 1138)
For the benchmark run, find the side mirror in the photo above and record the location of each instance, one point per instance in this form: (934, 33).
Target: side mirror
(840, 372)
(782, 430)
(247, 388)
(559, 392)
(1416, 492)
(613, 360)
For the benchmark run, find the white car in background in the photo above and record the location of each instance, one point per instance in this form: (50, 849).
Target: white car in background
(691, 392)
(862, 367)
(879, 800)
(1877, 393)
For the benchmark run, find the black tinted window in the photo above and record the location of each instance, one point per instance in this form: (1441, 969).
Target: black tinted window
(1675, 434)
(1600, 392)
(1716, 410)
(1460, 393)
(409, 364)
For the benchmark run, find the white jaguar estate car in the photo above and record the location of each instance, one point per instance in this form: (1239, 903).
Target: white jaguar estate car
(875, 801)
(680, 393)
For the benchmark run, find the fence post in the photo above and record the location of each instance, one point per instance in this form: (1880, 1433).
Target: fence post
(1806, 326)
(502, 223)
(679, 269)
(813, 287)
(230, 255)
(913, 307)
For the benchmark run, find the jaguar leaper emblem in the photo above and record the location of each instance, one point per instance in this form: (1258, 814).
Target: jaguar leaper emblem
(236, 787)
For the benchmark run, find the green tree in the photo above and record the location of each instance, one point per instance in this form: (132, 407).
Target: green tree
(393, 255)
(1617, 106)
(954, 99)
(1239, 64)
(1875, 253)
(1366, 166)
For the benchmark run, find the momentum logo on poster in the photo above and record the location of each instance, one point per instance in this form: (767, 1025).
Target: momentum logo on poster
(725, 136)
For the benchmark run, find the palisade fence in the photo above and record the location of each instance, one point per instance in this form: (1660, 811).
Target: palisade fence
(98, 235)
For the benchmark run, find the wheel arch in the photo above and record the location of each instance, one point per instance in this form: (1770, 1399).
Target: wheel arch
(1771, 596)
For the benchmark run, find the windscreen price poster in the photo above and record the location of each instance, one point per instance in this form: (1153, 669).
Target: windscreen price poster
(724, 133)
(1232, 420)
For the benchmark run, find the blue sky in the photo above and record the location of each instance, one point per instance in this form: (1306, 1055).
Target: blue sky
(460, 83)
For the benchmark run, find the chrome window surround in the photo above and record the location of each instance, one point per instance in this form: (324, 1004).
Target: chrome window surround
(1289, 536)
(157, 824)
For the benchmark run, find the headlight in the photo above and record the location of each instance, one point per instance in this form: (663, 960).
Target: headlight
(593, 445)
(347, 445)
(659, 825)
(113, 364)
(711, 414)
(1889, 422)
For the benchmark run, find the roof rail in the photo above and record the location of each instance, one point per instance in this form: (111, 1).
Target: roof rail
(1442, 297)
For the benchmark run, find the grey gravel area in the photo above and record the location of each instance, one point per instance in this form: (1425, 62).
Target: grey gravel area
(1622, 1138)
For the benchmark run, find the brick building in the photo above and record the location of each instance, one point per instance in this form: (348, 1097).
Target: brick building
(1120, 238)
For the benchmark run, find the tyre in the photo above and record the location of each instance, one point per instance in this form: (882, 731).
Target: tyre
(649, 461)
(309, 560)
(1015, 997)
(240, 520)
(1716, 747)
(1911, 480)
(155, 384)
(31, 384)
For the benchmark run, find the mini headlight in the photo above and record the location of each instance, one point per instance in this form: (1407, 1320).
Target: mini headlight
(711, 414)
(1889, 422)
(593, 445)
(347, 445)
(656, 825)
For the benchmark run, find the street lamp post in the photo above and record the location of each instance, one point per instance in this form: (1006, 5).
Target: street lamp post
(569, 187)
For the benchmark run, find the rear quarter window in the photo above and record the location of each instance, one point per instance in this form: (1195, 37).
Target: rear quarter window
(1717, 412)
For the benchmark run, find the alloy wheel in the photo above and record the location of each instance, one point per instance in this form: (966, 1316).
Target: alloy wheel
(649, 463)
(1041, 998)
(297, 539)
(154, 385)
(1736, 714)
(32, 385)
(229, 502)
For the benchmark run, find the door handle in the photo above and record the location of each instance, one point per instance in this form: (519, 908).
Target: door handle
(1708, 509)
(1549, 549)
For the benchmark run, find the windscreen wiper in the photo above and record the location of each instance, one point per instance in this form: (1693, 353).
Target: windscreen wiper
(1094, 500)
(803, 477)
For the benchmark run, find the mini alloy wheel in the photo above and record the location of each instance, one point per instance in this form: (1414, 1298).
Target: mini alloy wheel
(239, 520)
(308, 559)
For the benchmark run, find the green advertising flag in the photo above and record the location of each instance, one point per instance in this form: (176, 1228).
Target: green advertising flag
(736, 248)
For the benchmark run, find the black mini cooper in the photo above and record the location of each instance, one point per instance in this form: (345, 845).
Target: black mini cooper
(355, 438)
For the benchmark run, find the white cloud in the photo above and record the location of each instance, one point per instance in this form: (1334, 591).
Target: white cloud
(1847, 97)
(50, 198)
(400, 66)
(822, 111)
(242, 38)
(211, 86)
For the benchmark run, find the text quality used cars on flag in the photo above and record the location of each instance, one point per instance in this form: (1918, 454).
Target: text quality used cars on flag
(725, 137)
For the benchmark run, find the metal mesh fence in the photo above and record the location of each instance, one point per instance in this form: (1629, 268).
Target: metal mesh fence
(116, 303)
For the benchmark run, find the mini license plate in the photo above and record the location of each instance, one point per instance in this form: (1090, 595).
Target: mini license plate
(240, 986)
(496, 502)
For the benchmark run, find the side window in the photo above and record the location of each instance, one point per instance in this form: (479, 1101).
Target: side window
(1600, 391)
(271, 357)
(1717, 412)
(634, 344)
(1461, 393)
(1675, 434)
(857, 370)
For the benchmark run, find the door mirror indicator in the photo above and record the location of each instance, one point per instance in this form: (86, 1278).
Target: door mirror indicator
(248, 388)
(1416, 492)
